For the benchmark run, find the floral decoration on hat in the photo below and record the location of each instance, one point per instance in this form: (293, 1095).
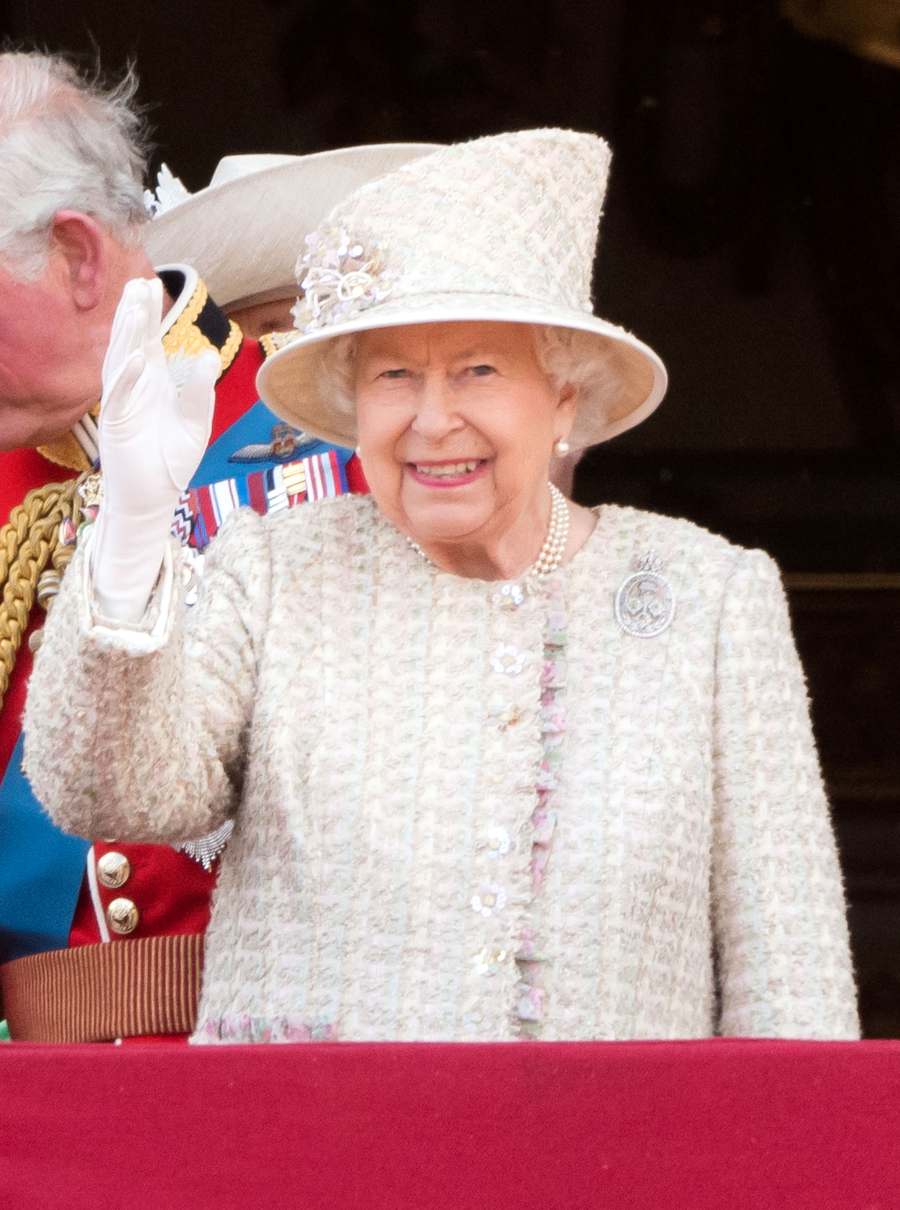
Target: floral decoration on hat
(340, 275)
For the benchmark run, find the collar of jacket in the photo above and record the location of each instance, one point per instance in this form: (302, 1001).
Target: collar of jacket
(192, 324)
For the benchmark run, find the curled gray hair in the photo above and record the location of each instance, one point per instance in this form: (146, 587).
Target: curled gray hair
(66, 142)
(568, 357)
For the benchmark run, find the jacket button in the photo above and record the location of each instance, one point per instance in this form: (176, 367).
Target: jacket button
(113, 870)
(123, 916)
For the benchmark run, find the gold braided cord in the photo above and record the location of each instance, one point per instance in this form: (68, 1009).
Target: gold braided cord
(29, 542)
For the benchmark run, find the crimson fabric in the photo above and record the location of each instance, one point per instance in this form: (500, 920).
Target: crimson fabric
(713, 1125)
(356, 479)
(21, 471)
(236, 389)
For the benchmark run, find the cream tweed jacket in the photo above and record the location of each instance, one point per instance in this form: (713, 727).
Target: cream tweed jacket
(371, 724)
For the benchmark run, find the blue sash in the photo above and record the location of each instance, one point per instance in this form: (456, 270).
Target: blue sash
(41, 871)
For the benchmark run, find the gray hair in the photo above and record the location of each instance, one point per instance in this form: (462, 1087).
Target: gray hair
(567, 356)
(66, 142)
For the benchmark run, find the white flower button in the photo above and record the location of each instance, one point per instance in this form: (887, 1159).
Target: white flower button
(489, 900)
(508, 660)
(498, 841)
(509, 596)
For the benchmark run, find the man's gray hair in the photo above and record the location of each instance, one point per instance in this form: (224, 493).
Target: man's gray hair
(66, 143)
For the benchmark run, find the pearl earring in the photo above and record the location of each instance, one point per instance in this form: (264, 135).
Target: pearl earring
(561, 448)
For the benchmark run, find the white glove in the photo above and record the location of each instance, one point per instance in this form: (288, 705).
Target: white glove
(153, 435)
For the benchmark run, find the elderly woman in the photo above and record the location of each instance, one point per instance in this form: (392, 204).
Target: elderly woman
(500, 766)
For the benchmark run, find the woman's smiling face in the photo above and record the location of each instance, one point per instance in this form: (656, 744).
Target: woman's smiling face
(456, 425)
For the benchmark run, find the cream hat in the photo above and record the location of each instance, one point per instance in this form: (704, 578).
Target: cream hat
(502, 228)
(242, 231)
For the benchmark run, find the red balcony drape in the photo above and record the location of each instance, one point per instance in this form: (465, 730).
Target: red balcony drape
(713, 1125)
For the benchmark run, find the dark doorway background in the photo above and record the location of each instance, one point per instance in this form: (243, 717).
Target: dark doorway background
(751, 236)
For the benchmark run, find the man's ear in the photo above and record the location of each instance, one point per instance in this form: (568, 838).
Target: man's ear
(79, 243)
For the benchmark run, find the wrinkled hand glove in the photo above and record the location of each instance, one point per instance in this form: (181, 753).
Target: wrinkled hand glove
(153, 434)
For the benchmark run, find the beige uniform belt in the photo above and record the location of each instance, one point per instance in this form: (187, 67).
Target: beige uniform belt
(95, 993)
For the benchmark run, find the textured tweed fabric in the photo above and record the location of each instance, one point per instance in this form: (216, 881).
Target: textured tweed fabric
(372, 723)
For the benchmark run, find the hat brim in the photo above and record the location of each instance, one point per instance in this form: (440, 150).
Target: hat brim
(634, 381)
(243, 236)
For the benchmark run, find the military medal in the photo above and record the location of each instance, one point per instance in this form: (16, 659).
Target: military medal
(202, 510)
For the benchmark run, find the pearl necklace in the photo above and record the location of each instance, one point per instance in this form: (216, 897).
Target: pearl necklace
(551, 553)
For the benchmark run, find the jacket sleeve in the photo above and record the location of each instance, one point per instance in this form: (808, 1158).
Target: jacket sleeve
(139, 732)
(779, 913)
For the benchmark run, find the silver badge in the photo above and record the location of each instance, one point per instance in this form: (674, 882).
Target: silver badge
(282, 447)
(645, 602)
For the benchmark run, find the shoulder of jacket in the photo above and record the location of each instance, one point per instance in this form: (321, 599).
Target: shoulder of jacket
(700, 561)
(673, 536)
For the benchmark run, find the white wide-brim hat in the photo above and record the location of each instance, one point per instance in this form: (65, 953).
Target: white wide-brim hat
(500, 229)
(241, 233)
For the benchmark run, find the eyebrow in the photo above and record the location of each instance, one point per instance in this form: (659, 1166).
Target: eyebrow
(475, 351)
(478, 351)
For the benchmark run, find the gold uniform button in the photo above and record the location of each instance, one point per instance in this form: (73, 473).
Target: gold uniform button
(113, 870)
(123, 916)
